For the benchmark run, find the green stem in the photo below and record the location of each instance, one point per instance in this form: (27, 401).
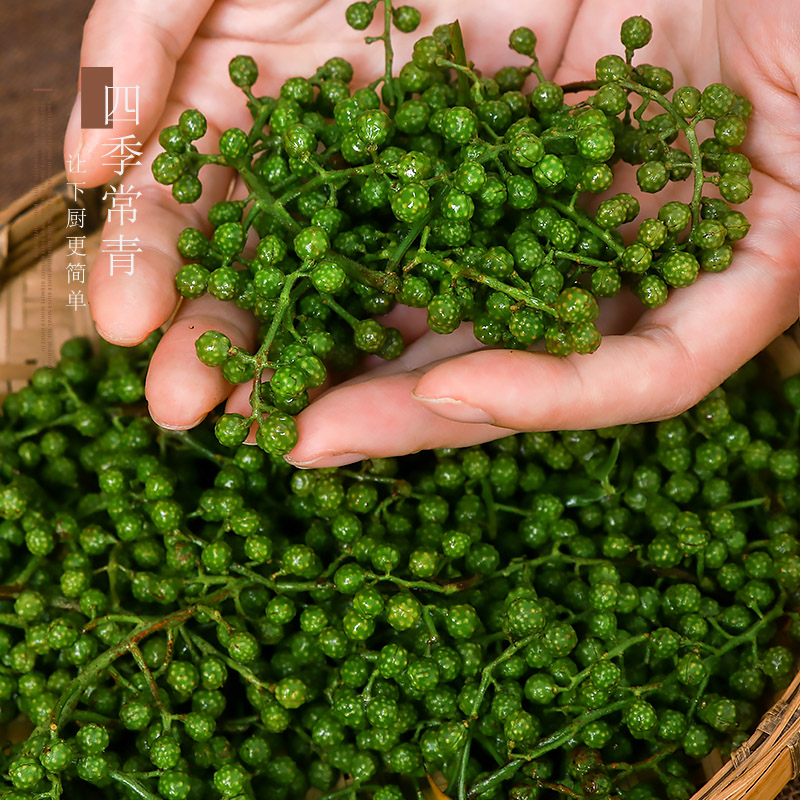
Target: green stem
(390, 97)
(498, 776)
(458, 271)
(243, 670)
(192, 443)
(613, 653)
(383, 281)
(335, 307)
(428, 586)
(388, 80)
(756, 501)
(491, 509)
(12, 621)
(559, 737)
(691, 138)
(579, 259)
(486, 677)
(266, 202)
(414, 231)
(462, 768)
(284, 301)
(133, 784)
(460, 55)
(351, 789)
(325, 178)
(72, 694)
(584, 221)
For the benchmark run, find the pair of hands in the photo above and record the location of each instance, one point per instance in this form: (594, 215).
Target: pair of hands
(447, 390)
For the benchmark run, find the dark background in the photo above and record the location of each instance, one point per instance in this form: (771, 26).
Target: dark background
(41, 42)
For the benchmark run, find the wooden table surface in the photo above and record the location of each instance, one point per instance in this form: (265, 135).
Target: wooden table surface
(40, 44)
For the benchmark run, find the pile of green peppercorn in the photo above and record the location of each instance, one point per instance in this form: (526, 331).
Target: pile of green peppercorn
(581, 614)
(444, 189)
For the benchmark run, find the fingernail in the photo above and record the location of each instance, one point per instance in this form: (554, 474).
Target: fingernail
(124, 341)
(178, 427)
(328, 460)
(457, 410)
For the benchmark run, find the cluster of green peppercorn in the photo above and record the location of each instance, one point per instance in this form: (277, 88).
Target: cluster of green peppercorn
(581, 614)
(449, 191)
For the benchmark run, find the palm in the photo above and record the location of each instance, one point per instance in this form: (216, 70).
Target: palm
(694, 341)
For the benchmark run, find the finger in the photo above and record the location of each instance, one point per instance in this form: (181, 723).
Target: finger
(418, 355)
(130, 299)
(672, 357)
(376, 419)
(180, 389)
(142, 42)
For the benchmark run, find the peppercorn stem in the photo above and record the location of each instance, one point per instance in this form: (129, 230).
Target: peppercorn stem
(613, 653)
(63, 709)
(386, 37)
(460, 56)
(493, 283)
(583, 220)
(266, 202)
(192, 443)
(242, 669)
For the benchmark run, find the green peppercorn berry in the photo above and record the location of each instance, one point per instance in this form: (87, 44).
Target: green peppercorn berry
(243, 71)
(57, 756)
(679, 269)
(191, 280)
(167, 168)
(403, 611)
(735, 187)
(410, 203)
(233, 144)
(405, 18)
(229, 239)
(716, 100)
(652, 176)
(243, 647)
(576, 305)
(635, 33)
(526, 325)
(213, 348)
(299, 141)
(595, 143)
(547, 96)
(368, 335)
(522, 40)
(373, 127)
(444, 313)
(359, 15)
(549, 172)
(291, 692)
(92, 738)
(459, 124)
(232, 429)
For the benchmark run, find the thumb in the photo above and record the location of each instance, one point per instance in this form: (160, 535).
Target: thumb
(142, 44)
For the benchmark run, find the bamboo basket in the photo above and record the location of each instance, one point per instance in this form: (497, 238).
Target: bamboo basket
(35, 314)
(36, 317)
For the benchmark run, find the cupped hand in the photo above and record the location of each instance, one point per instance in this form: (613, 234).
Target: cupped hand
(652, 364)
(178, 55)
(447, 390)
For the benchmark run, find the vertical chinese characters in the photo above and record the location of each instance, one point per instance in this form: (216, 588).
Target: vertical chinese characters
(76, 244)
(117, 104)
